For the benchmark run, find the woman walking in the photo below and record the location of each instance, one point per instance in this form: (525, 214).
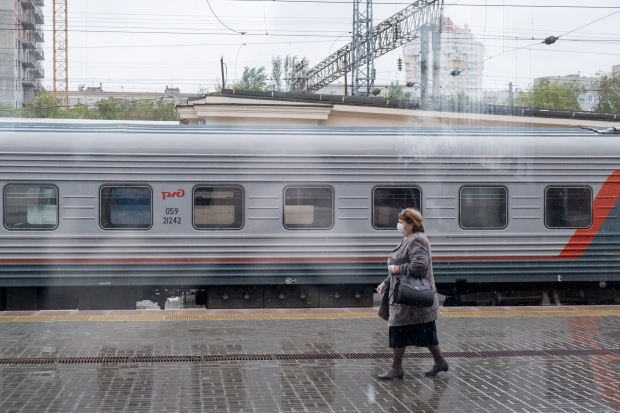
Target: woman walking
(409, 325)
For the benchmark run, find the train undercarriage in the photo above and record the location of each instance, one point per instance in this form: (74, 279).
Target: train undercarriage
(295, 296)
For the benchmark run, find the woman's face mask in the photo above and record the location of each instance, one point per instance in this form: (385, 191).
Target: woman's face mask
(401, 228)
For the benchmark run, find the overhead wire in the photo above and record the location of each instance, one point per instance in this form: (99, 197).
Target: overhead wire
(218, 19)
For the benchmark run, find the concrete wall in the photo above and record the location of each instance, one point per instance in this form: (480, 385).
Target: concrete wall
(8, 53)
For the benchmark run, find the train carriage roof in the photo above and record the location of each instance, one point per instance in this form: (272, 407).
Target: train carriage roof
(169, 138)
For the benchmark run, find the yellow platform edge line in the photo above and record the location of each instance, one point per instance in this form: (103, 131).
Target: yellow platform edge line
(283, 316)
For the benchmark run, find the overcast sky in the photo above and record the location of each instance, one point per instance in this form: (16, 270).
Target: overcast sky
(144, 45)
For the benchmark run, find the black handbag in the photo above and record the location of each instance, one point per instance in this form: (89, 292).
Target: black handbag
(414, 291)
(384, 308)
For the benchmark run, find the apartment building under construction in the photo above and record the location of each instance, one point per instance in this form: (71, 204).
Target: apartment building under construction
(21, 35)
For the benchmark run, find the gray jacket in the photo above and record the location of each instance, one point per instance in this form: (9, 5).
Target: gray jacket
(413, 254)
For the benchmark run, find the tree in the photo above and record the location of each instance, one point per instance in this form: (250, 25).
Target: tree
(252, 79)
(81, 111)
(6, 110)
(44, 105)
(547, 95)
(110, 109)
(276, 74)
(294, 68)
(150, 110)
(608, 87)
(395, 91)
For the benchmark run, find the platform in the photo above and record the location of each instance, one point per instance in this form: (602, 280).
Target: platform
(502, 359)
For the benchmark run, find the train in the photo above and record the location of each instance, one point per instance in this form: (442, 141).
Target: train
(103, 215)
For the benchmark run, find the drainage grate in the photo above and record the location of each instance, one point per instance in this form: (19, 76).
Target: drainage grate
(578, 352)
(306, 356)
(513, 353)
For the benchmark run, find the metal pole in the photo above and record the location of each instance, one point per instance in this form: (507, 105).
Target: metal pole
(345, 76)
(223, 80)
(424, 65)
(437, 57)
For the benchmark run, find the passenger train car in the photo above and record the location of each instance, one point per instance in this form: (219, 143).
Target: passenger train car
(102, 216)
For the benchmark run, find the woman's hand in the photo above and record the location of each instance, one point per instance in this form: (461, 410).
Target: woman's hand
(381, 288)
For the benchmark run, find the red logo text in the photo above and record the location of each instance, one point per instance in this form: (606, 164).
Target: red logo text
(178, 194)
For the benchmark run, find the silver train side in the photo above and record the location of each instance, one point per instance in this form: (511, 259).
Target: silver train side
(81, 265)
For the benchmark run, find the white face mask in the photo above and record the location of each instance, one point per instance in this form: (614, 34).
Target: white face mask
(401, 228)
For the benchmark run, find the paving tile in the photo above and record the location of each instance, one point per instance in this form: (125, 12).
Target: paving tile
(559, 383)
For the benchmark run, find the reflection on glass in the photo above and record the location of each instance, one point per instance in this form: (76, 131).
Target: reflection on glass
(308, 208)
(126, 207)
(483, 207)
(29, 207)
(568, 207)
(218, 207)
(387, 203)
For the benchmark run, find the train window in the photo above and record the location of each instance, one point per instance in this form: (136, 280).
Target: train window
(126, 207)
(388, 202)
(568, 207)
(30, 207)
(483, 208)
(308, 208)
(218, 207)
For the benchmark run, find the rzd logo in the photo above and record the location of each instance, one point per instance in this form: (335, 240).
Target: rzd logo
(178, 194)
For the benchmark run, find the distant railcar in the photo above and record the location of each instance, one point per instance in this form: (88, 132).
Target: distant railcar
(104, 215)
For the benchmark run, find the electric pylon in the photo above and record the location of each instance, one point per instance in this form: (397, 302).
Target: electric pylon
(61, 52)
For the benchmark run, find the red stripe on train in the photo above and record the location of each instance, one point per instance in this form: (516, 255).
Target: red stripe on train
(605, 200)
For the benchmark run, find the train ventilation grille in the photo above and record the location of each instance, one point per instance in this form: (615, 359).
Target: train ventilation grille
(305, 356)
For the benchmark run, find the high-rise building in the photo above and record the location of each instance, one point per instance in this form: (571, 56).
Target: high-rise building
(21, 35)
(459, 50)
(616, 69)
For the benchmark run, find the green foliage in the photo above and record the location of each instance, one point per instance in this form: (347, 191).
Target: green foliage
(44, 105)
(202, 90)
(7, 111)
(547, 95)
(252, 79)
(294, 68)
(461, 99)
(109, 108)
(396, 91)
(283, 75)
(275, 82)
(608, 87)
(149, 110)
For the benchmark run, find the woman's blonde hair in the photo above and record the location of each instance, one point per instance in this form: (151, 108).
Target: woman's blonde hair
(413, 217)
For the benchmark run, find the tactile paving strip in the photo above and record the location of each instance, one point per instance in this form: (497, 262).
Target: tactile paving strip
(306, 356)
(294, 316)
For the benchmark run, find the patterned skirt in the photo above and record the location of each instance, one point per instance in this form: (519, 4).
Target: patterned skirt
(419, 335)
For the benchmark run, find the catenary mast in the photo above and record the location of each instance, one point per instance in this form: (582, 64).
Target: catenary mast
(61, 55)
(401, 28)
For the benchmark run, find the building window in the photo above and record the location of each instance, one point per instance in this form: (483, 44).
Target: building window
(483, 208)
(126, 207)
(218, 207)
(308, 208)
(388, 202)
(568, 207)
(30, 207)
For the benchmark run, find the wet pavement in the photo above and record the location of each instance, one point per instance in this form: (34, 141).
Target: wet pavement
(524, 361)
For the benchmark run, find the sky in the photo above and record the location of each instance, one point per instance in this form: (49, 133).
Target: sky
(146, 45)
